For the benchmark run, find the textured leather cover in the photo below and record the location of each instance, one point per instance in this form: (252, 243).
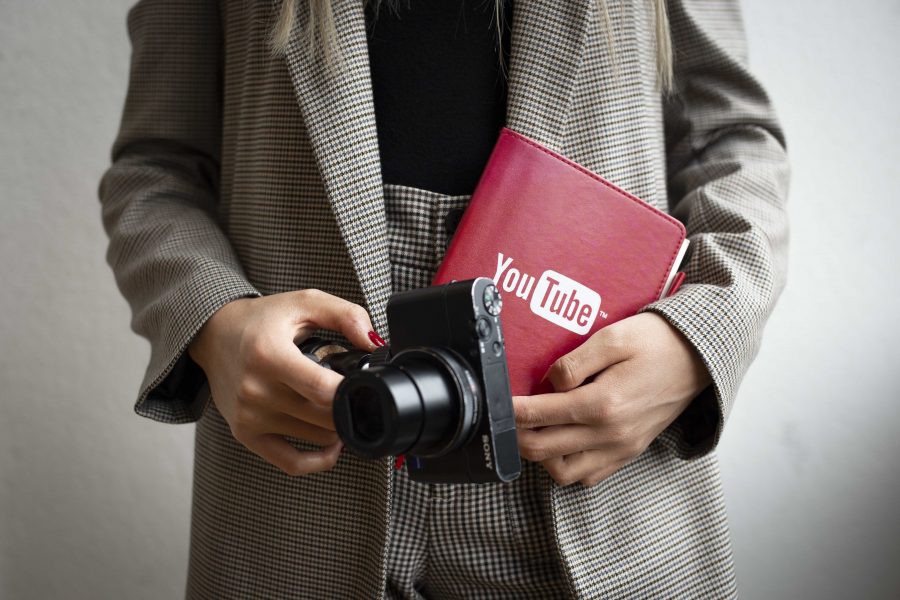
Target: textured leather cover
(540, 225)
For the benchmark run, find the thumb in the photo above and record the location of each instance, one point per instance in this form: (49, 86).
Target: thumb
(603, 349)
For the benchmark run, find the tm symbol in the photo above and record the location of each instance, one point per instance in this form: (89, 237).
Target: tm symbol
(603, 314)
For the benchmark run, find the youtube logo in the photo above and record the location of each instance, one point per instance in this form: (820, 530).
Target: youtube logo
(552, 296)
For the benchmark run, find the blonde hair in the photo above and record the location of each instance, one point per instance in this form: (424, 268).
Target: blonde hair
(320, 32)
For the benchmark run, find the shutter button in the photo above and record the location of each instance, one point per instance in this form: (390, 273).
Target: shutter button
(483, 327)
(451, 221)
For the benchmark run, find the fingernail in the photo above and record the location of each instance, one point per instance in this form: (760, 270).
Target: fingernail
(376, 339)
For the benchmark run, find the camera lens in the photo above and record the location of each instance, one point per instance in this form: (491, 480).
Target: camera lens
(366, 414)
(425, 402)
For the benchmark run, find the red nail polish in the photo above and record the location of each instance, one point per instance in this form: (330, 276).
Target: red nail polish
(376, 339)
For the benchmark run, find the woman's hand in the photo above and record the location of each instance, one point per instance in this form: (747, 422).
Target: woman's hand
(641, 374)
(263, 385)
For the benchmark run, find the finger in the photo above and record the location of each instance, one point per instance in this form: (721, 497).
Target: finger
(592, 465)
(285, 400)
(337, 314)
(283, 424)
(606, 347)
(557, 440)
(555, 408)
(302, 375)
(276, 450)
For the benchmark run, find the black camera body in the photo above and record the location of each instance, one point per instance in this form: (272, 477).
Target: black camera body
(439, 394)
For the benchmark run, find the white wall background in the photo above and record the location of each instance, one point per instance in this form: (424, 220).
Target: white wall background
(94, 501)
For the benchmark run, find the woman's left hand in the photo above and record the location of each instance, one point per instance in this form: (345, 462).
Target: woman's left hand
(641, 373)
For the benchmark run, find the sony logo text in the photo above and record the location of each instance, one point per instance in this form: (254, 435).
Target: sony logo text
(552, 296)
(486, 448)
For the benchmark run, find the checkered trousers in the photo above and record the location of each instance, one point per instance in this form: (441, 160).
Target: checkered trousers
(460, 540)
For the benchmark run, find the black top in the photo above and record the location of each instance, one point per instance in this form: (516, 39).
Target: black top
(439, 92)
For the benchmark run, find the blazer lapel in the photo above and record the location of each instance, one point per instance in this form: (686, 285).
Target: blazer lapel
(340, 120)
(547, 43)
(547, 40)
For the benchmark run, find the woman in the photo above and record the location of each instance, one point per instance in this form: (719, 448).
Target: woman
(256, 198)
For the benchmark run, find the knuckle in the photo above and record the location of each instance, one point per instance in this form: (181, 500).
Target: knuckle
(553, 468)
(247, 390)
(329, 438)
(526, 415)
(331, 461)
(560, 472)
(608, 409)
(310, 294)
(245, 419)
(565, 478)
(293, 468)
(306, 300)
(600, 411)
(564, 372)
(591, 481)
(531, 450)
(302, 467)
(620, 435)
(356, 313)
(574, 411)
(613, 337)
(618, 413)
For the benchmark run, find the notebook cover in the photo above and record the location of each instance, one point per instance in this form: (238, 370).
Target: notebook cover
(569, 251)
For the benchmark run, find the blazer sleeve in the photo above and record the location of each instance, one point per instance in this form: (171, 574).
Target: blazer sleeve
(171, 259)
(728, 181)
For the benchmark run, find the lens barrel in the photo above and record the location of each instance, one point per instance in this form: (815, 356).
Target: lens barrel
(425, 402)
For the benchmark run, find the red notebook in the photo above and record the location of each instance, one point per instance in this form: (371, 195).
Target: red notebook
(569, 251)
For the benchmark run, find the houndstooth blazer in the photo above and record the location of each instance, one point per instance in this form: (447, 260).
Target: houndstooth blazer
(236, 173)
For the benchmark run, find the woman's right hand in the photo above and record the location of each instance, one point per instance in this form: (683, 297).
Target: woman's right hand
(263, 385)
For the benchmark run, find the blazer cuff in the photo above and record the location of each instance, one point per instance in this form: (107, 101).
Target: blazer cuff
(174, 388)
(697, 312)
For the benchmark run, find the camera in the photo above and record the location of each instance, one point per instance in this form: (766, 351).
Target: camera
(439, 393)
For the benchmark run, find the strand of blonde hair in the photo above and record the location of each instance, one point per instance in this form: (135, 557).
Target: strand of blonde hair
(320, 33)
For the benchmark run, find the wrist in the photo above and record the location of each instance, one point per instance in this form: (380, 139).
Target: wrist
(693, 370)
(224, 319)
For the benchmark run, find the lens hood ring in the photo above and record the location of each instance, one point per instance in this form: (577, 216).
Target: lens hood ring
(468, 392)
